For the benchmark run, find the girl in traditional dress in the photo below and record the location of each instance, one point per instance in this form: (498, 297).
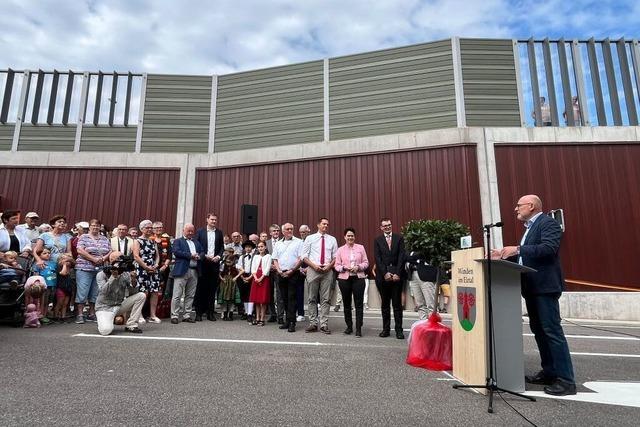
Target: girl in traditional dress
(260, 265)
(228, 293)
(244, 281)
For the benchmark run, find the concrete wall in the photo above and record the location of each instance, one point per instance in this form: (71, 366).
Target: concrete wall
(621, 306)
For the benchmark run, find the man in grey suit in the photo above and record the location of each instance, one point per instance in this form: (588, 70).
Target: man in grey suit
(541, 290)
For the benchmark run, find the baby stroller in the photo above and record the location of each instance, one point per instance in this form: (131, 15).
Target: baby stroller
(12, 297)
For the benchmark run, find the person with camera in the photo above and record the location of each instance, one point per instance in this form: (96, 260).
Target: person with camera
(113, 283)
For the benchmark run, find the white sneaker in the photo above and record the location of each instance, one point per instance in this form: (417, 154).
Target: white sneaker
(141, 321)
(154, 320)
(300, 319)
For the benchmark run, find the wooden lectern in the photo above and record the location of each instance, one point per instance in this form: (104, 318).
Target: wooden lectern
(470, 323)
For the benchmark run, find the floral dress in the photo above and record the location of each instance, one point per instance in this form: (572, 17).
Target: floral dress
(149, 282)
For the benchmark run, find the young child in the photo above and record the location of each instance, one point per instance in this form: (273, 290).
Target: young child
(33, 290)
(31, 317)
(64, 287)
(49, 274)
(244, 281)
(228, 294)
(10, 270)
(260, 287)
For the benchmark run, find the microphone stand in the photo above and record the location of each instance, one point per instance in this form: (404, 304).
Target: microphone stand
(491, 384)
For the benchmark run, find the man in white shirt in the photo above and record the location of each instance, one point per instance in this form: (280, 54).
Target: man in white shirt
(211, 240)
(276, 308)
(189, 254)
(121, 242)
(30, 226)
(286, 262)
(319, 252)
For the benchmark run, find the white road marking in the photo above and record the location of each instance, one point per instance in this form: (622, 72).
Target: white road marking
(235, 341)
(633, 356)
(581, 337)
(596, 337)
(606, 392)
(208, 340)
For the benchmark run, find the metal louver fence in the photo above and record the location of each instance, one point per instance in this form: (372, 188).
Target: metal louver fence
(578, 82)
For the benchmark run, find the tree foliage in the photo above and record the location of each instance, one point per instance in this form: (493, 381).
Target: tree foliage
(434, 238)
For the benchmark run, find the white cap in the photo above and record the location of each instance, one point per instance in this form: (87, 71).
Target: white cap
(83, 224)
(32, 215)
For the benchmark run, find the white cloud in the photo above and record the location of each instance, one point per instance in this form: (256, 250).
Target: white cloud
(202, 37)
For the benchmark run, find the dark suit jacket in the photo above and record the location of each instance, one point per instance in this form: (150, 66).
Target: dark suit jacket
(426, 272)
(201, 236)
(182, 254)
(389, 260)
(540, 251)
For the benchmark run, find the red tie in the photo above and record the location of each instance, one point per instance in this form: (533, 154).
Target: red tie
(322, 251)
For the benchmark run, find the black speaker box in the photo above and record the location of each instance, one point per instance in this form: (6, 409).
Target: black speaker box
(249, 219)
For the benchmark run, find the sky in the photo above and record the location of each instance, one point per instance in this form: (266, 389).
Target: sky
(225, 36)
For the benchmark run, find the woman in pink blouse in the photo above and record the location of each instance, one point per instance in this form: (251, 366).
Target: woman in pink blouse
(351, 265)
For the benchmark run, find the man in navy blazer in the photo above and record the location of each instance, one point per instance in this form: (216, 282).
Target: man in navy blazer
(211, 239)
(388, 250)
(541, 290)
(188, 254)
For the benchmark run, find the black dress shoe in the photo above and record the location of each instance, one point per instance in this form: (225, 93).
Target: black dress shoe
(539, 378)
(560, 388)
(399, 335)
(292, 327)
(358, 333)
(133, 330)
(283, 326)
(174, 320)
(348, 331)
(188, 320)
(280, 321)
(211, 317)
(198, 317)
(272, 319)
(384, 334)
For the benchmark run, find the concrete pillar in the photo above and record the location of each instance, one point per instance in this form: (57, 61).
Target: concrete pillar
(186, 193)
(488, 180)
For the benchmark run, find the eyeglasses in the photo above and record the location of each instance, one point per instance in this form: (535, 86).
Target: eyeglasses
(386, 225)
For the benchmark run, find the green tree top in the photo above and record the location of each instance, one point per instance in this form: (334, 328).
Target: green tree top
(434, 238)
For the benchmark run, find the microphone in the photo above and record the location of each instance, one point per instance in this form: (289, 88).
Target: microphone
(497, 224)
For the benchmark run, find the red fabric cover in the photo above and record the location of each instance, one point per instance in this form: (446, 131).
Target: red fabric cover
(430, 345)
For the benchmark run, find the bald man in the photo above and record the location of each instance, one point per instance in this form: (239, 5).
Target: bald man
(541, 290)
(188, 253)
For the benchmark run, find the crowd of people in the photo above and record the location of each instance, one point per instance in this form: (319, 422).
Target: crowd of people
(93, 274)
(107, 276)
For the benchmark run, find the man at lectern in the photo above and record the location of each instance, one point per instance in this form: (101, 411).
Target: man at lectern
(541, 290)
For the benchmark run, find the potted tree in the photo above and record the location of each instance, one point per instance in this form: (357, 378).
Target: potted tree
(434, 239)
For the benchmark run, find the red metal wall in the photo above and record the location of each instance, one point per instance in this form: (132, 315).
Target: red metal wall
(598, 186)
(354, 191)
(111, 195)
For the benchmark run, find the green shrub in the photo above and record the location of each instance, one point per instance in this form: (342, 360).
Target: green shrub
(434, 238)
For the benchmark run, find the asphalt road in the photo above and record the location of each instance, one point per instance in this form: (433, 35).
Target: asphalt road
(231, 373)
